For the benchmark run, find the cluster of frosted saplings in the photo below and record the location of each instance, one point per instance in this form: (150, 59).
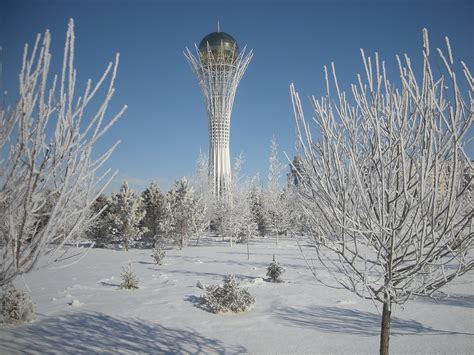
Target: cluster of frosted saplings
(228, 297)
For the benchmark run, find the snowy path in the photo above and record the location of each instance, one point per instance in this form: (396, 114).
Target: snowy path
(299, 316)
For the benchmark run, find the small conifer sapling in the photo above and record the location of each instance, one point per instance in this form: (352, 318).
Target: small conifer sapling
(274, 271)
(15, 306)
(129, 279)
(158, 255)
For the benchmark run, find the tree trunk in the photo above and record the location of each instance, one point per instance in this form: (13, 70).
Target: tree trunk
(385, 329)
(248, 248)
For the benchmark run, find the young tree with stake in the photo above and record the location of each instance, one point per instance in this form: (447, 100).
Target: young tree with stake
(384, 193)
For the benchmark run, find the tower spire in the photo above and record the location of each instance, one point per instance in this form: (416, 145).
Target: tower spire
(218, 27)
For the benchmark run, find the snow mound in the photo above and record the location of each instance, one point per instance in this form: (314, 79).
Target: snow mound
(76, 304)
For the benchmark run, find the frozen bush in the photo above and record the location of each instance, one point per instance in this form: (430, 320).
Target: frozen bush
(228, 297)
(16, 306)
(129, 279)
(274, 271)
(158, 255)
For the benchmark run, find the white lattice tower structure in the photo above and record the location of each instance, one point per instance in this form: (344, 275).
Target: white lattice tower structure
(219, 67)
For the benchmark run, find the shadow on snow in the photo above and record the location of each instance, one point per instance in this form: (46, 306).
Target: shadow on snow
(350, 321)
(93, 332)
(451, 300)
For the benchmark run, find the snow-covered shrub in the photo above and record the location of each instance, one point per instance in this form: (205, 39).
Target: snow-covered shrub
(16, 306)
(274, 271)
(129, 279)
(158, 255)
(228, 297)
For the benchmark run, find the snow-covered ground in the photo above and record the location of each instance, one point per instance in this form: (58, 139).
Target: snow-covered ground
(81, 310)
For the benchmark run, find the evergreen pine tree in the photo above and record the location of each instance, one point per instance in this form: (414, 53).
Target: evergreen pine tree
(158, 254)
(99, 231)
(274, 271)
(126, 213)
(257, 209)
(155, 206)
(129, 279)
(184, 216)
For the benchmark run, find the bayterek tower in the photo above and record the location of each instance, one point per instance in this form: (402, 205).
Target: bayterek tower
(219, 66)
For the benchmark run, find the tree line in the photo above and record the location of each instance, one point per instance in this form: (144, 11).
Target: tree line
(189, 209)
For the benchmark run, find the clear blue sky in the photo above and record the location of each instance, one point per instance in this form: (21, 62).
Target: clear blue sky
(166, 123)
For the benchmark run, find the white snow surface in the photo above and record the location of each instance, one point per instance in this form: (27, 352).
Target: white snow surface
(298, 316)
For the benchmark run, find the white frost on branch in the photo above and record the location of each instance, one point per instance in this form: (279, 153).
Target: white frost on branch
(50, 178)
(386, 188)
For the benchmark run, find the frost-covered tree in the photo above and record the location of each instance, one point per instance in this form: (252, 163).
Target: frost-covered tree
(126, 214)
(184, 217)
(154, 203)
(49, 170)
(385, 194)
(234, 217)
(99, 230)
(257, 209)
(297, 219)
(205, 198)
(275, 198)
